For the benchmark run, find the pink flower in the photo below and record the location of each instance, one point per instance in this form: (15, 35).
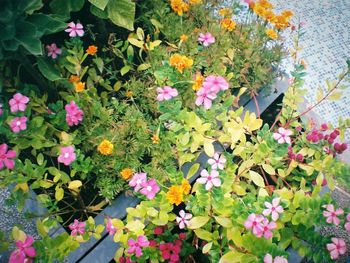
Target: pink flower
(18, 124)
(183, 218)
(269, 259)
(336, 248)
(125, 260)
(136, 246)
(254, 222)
(53, 51)
(150, 188)
(282, 136)
(74, 114)
(137, 180)
(67, 155)
(110, 228)
(205, 97)
(331, 214)
(18, 102)
(215, 83)
(166, 93)
(347, 224)
(218, 161)
(267, 227)
(206, 39)
(5, 156)
(209, 180)
(0, 109)
(25, 251)
(77, 228)
(273, 208)
(75, 29)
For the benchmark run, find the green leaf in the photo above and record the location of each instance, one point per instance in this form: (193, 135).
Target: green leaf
(232, 257)
(101, 4)
(125, 70)
(59, 193)
(48, 70)
(257, 179)
(269, 169)
(224, 221)
(143, 67)
(194, 168)
(64, 7)
(122, 13)
(207, 247)
(29, 6)
(204, 234)
(209, 148)
(335, 96)
(47, 24)
(198, 221)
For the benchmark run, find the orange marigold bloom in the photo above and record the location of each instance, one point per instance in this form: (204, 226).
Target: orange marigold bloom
(228, 24)
(186, 187)
(74, 78)
(91, 50)
(287, 13)
(271, 33)
(126, 173)
(129, 94)
(269, 15)
(281, 22)
(105, 147)
(79, 86)
(175, 195)
(180, 62)
(265, 4)
(198, 81)
(259, 10)
(179, 6)
(183, 37)
(155, 139)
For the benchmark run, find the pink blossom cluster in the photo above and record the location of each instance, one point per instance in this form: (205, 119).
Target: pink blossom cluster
(18, 102)
(24, 252)
(110, 228)
(209, 179)
(75, 29)
(6, 157)
(183, 219)
(67, 155)
(282, 135)
(295, 156)
(18, 124)
(347, 224)
(53, 51)
(274, 209)
(74, 114)
(206, 39)
(269, 259)
(149, 188)
(77, 228)
(217, 162)
(166, 93)
(260, 226)
(332, 214)
(171, 251)
(125, 260)
(336, 248)
(135, 246)
(209, 90)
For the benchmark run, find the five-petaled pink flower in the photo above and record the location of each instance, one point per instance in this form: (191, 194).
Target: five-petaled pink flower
(254, 222)
(74, 114)
(267, 227)
(209, 180)
(347, 224)
(166, 93)
(183, 218)
(273, 208)
(215, 84)
(217, 162)
(282, 136)
(150, 188)
(205, 97)
(77, 228)
(18, 124)
(0, 109)
(53, 51)
(25, 252)
(137, 180)
(336, 248)
(269, 259)
(206, 39)
(136, 246)
(110, 228)
(67, 155)
(6, 156)
(331, 214)
(75, 29)
(18, 102)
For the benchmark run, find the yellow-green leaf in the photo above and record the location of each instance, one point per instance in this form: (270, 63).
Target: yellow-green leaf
(143, 66)
(269, 169)
(209, 148)
(59, 193)
(232, 257)
(203, 234)
(194, 168)
(256, 178)
(224, 221)
(18, 234)
(207, 247)
(198, 221)
(75, 184)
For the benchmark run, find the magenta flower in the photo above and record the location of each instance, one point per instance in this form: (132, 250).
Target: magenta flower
(254, 222)
(18, 124)
(215, 83)
(75, 29)
(269, 259)
(267, 227)
(18, 102)
(25, 252)
(0, 109)
(206, 39)
(273, 208)
(347, 224)
(217, 162)
(136, 246)
(205, 97)
(209, 180)
(74, 114)
(183, 218)
(110, 228)
(53, 51)
(137, 180)
(331, 214)
(166, 93)
(67, 155)
(282, 136)
(77, 228)
(336, 248)
(6, 156)
(150, 188)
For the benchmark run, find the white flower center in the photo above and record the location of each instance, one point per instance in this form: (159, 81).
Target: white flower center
(66, 155)
(18, 123)
(149, 188)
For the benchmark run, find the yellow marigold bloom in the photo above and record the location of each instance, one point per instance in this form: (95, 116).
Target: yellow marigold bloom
(79, 86)
(91, 50)
(105, 147)
(265, 4)
(74, 78)
(129, 94)
(224, 11)
(259, 10)
(228, 24)
(198, 81)
(175, 195)
(186, 187)
(180, 62)
(287, 13)
(183, 37)
(271, 33)
(196, 30)
(126, 173)
(195, 2)
(179, 6)
(269, 15)
(155, 139)
(281, 22)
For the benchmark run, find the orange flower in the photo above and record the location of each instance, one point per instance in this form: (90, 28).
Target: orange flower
(180, 62)
(302, 62)
(74, 78)
(129, 94)
(186, 187)
(175, 195)
(271, 33)
(265, 4)
(179, 6)
(259, 10)
(225, 11)
(281, 22)
(183, 37)
(105, 147)
(155, 139)
(287, 14)
(198, 81)
(228, 24)
(126, 173)
(269, 15)
(91, 50)
(79, 86)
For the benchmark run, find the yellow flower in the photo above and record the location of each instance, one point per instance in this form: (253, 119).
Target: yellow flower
(269, 15)
(126, 173)
(195, 2)
(228, 24)
(281, 22)
(259, 10)
(175, 195)
(91, 50)
(198, 81)
(265, 4)
(105, 147)
(79, 86)
(180, 62)
(186, 187)
(179, 6)
(183, 37)
(225, 11)
(271, 33)
(74, 78)
(287, 14)
(155, 139)
(129, 94)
